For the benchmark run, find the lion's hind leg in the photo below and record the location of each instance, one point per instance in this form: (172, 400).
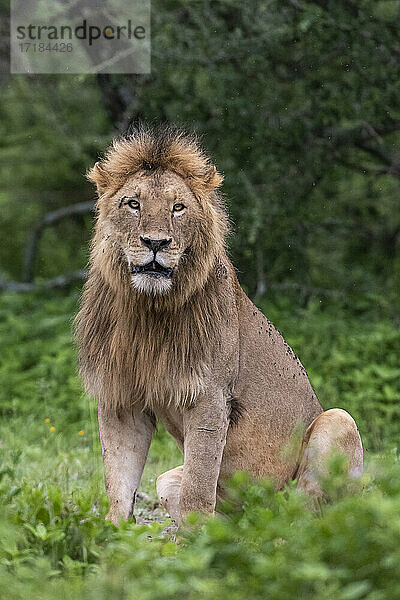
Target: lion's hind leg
(333, 431)
(168, 487)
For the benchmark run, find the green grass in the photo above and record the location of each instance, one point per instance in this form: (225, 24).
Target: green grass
(53, 537)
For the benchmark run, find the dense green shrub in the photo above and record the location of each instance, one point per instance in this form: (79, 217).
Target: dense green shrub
(268, 545)
(38, 366)
(298, 103)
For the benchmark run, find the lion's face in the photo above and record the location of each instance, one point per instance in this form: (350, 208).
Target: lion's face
(153, 220)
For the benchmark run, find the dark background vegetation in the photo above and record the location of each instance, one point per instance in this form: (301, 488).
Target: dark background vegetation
(298, 104)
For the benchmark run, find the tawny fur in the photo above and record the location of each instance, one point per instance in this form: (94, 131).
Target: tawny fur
(193, 352)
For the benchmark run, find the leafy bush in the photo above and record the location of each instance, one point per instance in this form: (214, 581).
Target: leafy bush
(268, 544)
(38, 364)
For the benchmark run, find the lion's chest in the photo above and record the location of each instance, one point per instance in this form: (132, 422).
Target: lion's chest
(156, 370)
(162, 381)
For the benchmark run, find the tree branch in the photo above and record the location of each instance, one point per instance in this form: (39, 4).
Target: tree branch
(392, 166)
(49, 219)
(61, 281)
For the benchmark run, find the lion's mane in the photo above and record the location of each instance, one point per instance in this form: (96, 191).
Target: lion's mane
(138, 348)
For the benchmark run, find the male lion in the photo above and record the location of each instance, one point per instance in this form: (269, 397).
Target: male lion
(166, 332)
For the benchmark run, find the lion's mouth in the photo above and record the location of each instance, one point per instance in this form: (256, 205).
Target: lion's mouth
(154, 269)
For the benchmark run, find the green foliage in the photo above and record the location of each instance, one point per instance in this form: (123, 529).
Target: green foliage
(48, 141)
(298, 103)
(283, 93)
(267, 544)
(38, 365)
(352, 362)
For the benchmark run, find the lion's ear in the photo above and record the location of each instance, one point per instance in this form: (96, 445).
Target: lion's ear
(212, 178)
(99, 176)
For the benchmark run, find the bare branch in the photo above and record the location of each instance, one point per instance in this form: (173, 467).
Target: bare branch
(364, 169)
(61, 281)
(50, 218)
(392, 166)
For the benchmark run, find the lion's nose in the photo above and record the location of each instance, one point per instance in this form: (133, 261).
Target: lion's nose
(154, 244)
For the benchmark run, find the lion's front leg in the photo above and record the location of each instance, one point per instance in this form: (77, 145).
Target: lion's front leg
(205, 428)
(125, 440)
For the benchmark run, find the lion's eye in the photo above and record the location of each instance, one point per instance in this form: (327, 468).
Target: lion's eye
(178, 207)
(130, 201)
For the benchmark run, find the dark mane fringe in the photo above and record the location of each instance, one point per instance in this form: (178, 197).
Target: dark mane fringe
(147, 149)
(159, 140)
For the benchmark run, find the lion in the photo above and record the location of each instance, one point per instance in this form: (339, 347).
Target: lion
(166, 333)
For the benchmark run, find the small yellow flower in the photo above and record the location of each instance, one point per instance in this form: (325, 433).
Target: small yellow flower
(47, 420)
(52, 428)
(81, 432)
